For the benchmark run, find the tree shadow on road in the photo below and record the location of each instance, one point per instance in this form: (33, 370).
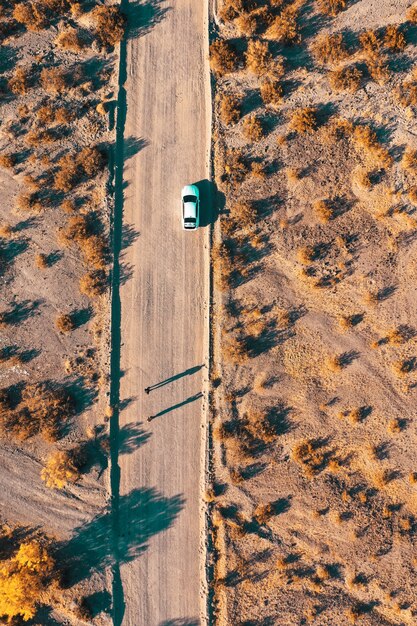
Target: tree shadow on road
(181, 622)
(142, 16)
(143, 512)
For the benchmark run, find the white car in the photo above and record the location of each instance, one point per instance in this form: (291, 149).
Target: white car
(190, 199)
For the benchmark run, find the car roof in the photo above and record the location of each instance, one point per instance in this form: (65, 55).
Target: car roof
(190, 210)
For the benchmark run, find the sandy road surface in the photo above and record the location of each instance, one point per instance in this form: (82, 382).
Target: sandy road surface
(163, 316)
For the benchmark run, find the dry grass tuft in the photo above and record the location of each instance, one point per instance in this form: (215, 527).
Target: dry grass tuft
(365, 138)
(93, 284)
(394, 39)
(70, 40)
(331, 7)
(110, 24)
(329, 48)
(252, 128)
(271, 92)
(54, 80)
(223, 58)
(409, 160)
(59, 470)
(285, 28)
(258, 57)
(346, 79)
(19, 82)
(229, 109)
(41, 261)
(31, 15)
(65, 323)
(7, 160)
(304, 120)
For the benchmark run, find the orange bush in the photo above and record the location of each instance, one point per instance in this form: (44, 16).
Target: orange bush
(110, 24)
(329, 48)
(285, 28)
(223, 58)
(304, 120)
(53, 80)
(331, 7)
(229, 109)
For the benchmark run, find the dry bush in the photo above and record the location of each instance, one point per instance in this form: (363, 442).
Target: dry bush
(223, 57)
(378, 69)
(64, 323)
(110, 24)
(329, 48)
(19, 82)
(412, 14)
(59, 470)
(91, 160)
(48, 407)
(229, 109)
(409, 160)
(31, 15)
(235, 167)
(234, 351)
(93, 284)
(29, 202)
(243, 213)
(258, 170)
(263, 513)
(365, 138)
(347, 322)
(331, 7)
(403, 367)
(271, 92)
(293, 175)
(406, 93)
(23, 581)
(53, 80)
(258, 57)
(247, 24)
(68, 174)
(6, 230)
(304, 120)
(370, 43)
(311, 459)
(69, 39)
(323, 210)
(285, 27)
(7, 160)
(68, 206)
(47, 114)
(394, 39)
(346, 79)
(412, 195)
(41, 261)
(94, 250)
(252, 128)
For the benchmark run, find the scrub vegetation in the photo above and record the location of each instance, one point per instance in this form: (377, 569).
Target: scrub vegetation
(312, 494)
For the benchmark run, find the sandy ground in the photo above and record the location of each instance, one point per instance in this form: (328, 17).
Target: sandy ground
(40, 295)
(338, 543)
(164, 305)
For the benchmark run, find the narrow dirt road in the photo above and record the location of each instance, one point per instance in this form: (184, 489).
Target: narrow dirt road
(164, 307)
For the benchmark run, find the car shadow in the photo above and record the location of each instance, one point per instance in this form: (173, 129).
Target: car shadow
(211, 202)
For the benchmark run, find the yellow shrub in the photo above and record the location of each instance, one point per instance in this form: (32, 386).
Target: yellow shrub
(329, 48)
(59, 470)
(304, 120)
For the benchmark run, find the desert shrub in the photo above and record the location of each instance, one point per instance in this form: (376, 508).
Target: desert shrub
(69, 39)
(7, 160)
(263, 513)
(243, 213)
(235, 168)
(48, 407)
(6, 230)
(94, 250)
(329, 48)
(53, 80)
(19, 82)
(365, 138)
(394, 39)
(331, 7)
(370, 43)
(247, 23)
(65, 323)
(31, 15)
(93, 284)
(346, 79)
(271, 92)
(258, 170)
(68, 174)
(258, 57)
(252, 128)
(91, 160)
(59, 470)
(304, 120)
(285, 27)
(234, 350)
(230, 9)
(406, 93)
(47, 114)
(23, 581)
(412, 14)
(223, 57)
(378, 69)
(323, 210)
(229, 109)
(309, 455)
(29, 202)
(409, 160)
(110, 24)
(41, 261)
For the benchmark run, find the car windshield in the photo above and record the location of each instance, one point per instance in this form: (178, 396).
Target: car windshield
(189, 220)
(190, 199)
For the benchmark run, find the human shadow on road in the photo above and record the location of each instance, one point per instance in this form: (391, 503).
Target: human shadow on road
(171, 379)
(180, 404)
(144, 512)
(212, 202)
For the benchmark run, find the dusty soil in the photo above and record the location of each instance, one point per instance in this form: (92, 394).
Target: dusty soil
(314, 384)
(35, 296)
